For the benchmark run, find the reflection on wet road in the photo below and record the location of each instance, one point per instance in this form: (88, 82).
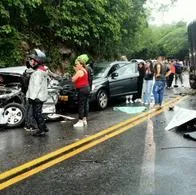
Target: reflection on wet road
(59, 136)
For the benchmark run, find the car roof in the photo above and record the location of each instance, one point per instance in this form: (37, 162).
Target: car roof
(15, 69)
(137, 60)
(107, 64)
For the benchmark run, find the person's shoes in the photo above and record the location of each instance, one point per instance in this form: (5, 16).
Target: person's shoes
(156, 107)
(139, 100)
(46, 129)
(85, 122)
(79, 124)
(27, 129)
(39, 133)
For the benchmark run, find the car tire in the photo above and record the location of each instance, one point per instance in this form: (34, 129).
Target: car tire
(102, 99)
(15, 113)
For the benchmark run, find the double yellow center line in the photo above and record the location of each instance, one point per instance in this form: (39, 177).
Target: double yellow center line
(30, 168)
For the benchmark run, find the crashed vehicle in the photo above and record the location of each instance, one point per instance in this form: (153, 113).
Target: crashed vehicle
(111, 79)
(192, 53)
(12, 98)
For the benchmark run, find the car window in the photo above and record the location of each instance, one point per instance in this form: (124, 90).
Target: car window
(113, 69)
(127, 69)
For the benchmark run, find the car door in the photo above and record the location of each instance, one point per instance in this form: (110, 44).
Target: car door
(114, 86)
(124, 80)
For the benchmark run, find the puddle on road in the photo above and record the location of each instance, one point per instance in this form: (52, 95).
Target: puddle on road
(130, 110)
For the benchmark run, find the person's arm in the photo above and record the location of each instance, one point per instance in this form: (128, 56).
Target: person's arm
(158, 70)
(78, 74)
(168, 73)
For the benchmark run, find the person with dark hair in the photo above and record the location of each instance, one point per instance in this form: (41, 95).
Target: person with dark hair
(90, 74)
(171, 72)
(81, 81)
(178, 73)
(160, 79)
(137, 96)
(148, 82)
(37, 90)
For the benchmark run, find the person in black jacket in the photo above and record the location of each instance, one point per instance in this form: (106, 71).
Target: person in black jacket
(137, 96)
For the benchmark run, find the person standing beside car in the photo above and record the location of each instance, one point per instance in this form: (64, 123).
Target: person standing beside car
(81, 82)
(37, 90)
(148, 82)
(171, 72)
(137, 96)
(160, 79)
(30, 123)
(178, 73)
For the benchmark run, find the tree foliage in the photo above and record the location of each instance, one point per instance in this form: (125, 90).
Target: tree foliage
(101, 28)
(167, 40)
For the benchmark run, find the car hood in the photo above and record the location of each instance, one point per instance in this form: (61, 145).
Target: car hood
(98, 80)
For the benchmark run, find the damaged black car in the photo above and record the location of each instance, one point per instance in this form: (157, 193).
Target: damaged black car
(12, 98)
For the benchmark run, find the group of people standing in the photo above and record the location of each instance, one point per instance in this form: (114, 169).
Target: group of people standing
(153, 78)
(36, 89)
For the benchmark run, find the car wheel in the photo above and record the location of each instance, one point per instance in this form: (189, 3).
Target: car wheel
(102, 99)
(15, 113)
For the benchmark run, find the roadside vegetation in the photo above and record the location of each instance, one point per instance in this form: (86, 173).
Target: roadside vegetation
(105, 29)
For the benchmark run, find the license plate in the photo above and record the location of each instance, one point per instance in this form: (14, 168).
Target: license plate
(63, 98)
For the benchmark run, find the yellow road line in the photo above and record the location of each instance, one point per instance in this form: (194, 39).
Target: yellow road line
(84, 140)
(77, 151)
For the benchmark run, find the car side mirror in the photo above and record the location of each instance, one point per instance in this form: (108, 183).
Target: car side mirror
(114, 74)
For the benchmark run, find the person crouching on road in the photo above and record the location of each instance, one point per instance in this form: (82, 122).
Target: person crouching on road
(37, 90)
(82, 86)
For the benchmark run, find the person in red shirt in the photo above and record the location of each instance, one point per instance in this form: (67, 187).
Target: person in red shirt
(81, 82)
(171, 72)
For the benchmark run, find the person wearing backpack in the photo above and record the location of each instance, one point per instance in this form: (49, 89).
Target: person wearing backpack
(37, 92)
(178, 74)
(30, 123)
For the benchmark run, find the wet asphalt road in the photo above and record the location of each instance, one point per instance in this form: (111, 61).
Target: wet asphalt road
(146, 159)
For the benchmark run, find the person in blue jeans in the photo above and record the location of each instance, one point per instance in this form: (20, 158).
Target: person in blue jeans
(148, 82)
(160, 79)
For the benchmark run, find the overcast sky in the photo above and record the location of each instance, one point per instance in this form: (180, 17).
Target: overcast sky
(182, 10)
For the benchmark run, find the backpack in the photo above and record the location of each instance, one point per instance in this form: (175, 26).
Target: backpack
(90, 76)
(178, 69)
